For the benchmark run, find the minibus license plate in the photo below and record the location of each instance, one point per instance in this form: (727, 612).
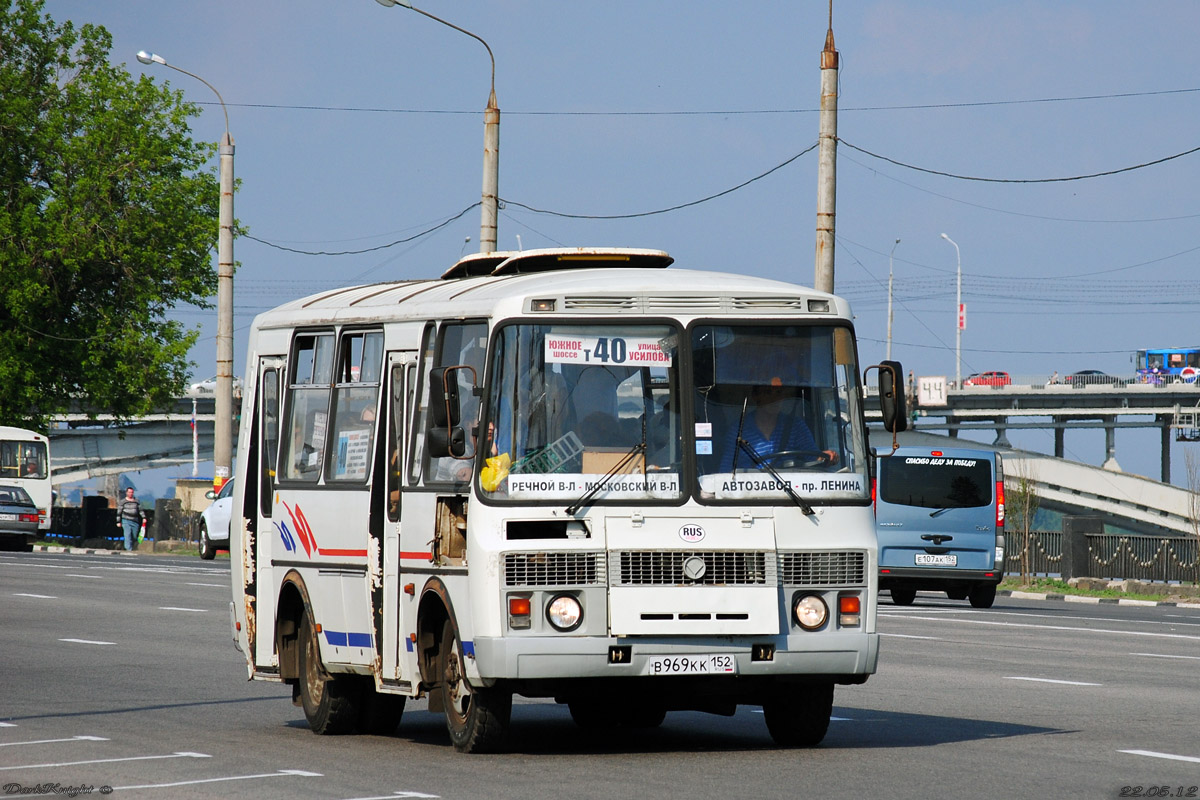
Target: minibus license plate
(926, 560)
(8, 517)
(718, 663)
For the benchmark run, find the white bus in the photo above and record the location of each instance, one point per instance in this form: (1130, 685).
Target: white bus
(25, 462)
(564, 474)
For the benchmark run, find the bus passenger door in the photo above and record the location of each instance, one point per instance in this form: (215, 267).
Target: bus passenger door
(259, 494)
(387, 601)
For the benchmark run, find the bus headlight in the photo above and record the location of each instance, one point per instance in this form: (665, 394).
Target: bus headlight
(810, 612)
(564, 613)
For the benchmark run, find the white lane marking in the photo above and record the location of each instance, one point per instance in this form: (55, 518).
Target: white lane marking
(1164, 655)
(1050, 680)
(77, 575)
(214, 585)
(909, 636)
(394, 795)
(280, 773)
(995, 612)
(53, 741)
(177, 608)
(1063, 628)
(8, 724)
(38, 596)
(1153, 754)
(107, 761)
(85, 641)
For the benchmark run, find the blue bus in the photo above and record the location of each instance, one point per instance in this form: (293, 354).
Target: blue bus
(1168, 364)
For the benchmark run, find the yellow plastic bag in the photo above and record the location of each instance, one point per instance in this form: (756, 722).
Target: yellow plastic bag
(494, 471)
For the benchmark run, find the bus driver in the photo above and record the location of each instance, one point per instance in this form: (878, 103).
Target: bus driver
(772, 425)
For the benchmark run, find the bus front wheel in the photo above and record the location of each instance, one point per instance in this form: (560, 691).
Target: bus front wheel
(329, 702)
(476, 718)
(798, 716)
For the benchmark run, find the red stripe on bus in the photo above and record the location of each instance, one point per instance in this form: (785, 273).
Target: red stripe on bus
(323, 552)
(425, 556)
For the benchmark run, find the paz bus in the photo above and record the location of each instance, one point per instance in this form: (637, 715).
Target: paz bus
(569, 474)
(25, 462)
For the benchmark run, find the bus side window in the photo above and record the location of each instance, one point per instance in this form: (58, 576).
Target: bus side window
(421, 410)
(308, 406)
(269, 404)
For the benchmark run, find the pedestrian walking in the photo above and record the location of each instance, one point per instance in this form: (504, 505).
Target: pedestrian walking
(130, 518)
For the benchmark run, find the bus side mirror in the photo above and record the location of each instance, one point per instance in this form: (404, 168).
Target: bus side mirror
(891, 396)
(444, 406)
(446, 435)
(445, 441)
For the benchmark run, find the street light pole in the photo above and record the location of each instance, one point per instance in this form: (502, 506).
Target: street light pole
(223, 405)
(489, 212)
(889, 342)
(958, 317)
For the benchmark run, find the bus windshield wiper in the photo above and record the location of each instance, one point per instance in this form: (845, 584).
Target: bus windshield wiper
(940, 511)
(640, 447)
(787, 485)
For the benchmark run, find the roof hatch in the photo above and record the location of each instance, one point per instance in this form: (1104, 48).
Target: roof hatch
(550, 259)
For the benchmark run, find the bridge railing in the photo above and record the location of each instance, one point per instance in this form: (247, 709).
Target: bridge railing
(1109, 556)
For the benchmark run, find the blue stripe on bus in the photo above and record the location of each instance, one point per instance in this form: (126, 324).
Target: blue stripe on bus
(469, 649)
(343, 639)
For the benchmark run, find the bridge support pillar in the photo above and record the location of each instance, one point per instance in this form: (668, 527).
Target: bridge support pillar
(1110, 449)
(1002, 433)
(1165, 457)
(1060, 435)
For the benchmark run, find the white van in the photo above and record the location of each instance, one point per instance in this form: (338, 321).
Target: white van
(939, 516)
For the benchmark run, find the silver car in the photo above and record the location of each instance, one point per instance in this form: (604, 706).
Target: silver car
(214, 522)
(18, 518)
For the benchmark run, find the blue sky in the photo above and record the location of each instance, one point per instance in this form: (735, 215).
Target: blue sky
(357, 126)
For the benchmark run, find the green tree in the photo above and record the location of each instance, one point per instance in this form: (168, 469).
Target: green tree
(108, 218)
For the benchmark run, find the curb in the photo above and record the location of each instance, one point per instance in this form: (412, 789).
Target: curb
(89, 551)
(1075, 598)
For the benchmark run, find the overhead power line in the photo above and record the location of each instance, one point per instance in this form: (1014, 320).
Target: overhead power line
(707, 112)
(1018, 180)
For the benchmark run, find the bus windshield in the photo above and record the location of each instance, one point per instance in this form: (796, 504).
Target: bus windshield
(777, 406)
(574, 405)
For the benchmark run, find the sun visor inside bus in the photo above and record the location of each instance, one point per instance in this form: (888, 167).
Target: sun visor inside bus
(723, 359)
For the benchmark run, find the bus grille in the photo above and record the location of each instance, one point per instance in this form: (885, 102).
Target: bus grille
(667, 568)
(554, 569)
(823, 569)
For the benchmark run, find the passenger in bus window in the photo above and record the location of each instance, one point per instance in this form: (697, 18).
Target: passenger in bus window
(772, 425)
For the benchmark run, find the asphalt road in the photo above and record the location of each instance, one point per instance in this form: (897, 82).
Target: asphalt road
(119, 671)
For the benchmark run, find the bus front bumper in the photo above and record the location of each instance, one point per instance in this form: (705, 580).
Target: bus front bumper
(846, 657)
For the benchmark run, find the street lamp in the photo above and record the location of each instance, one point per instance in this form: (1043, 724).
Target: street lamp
(889, 342)
(491, 139)
(960, 318)
(223, 407)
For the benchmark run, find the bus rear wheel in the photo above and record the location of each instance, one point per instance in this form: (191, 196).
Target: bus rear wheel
(329, 702)
(799, 715)
(476, 718)
(903, 597)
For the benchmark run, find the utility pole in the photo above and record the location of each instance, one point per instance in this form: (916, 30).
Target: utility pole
(889, 342)
(827, 163)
